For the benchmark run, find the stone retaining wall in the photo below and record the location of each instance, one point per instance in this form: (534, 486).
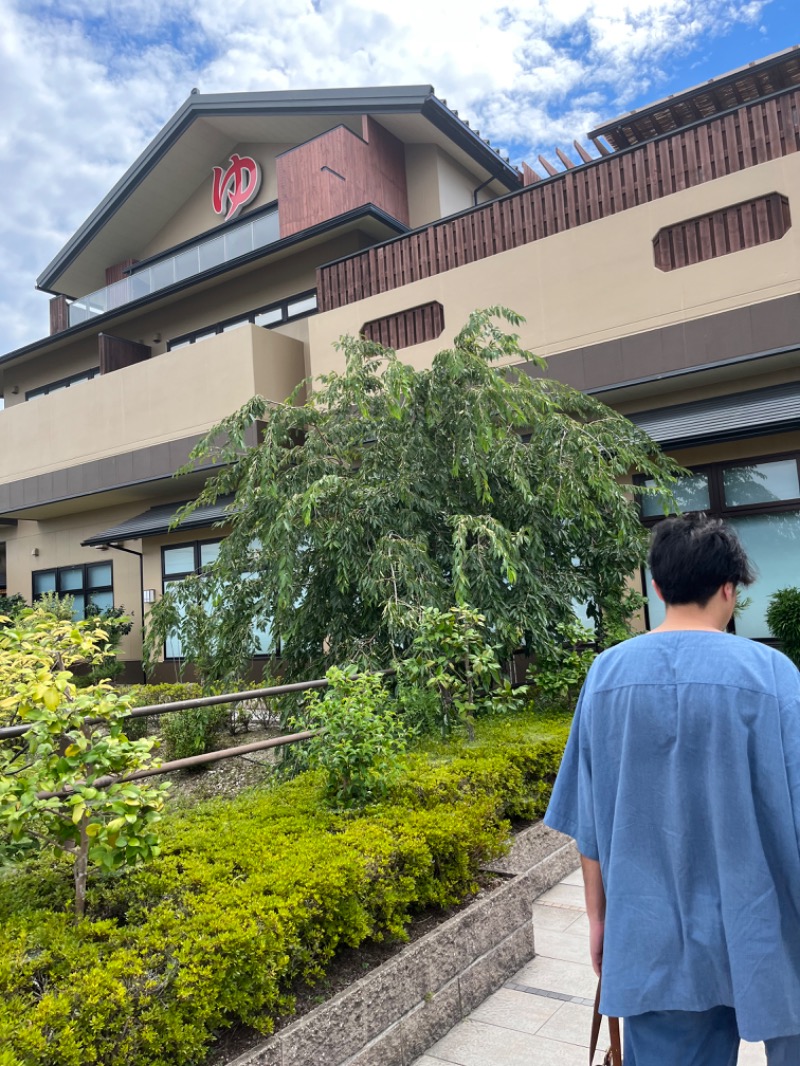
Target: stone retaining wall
(397, 1011)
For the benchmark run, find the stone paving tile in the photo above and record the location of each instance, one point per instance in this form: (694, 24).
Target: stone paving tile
(565, 895)
(564, 945)
(542, 1016)
(559, 918)
(558, 975)
(477, 1044)
(575, 878)
(516, 1010)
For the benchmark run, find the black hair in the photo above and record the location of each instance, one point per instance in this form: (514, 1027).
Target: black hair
(692, 556)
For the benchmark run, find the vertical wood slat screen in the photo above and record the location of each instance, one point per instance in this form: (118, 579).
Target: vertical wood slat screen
(401, 330)
(756, 133)
(731, 229)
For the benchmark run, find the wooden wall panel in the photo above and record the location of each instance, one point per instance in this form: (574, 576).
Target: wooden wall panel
(401, 330)
(119, 270)
(117, 352)
(338, 172)
(732, 229)
(756, 133)
(59, 314)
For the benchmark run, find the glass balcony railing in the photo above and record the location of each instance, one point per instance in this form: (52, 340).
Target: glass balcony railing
(203, 255)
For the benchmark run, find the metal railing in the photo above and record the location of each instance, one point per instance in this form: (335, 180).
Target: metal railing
(8, 732)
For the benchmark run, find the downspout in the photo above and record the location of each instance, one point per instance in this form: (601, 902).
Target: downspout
(478, 189)
(131, 551)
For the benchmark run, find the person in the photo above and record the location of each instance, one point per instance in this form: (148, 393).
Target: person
(680, 784)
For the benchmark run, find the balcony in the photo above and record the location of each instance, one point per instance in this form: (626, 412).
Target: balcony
(202, 255)
(134, 413)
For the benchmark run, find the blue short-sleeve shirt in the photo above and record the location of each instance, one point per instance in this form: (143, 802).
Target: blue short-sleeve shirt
(682, 778)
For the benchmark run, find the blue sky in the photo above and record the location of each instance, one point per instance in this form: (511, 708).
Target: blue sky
(85, 85)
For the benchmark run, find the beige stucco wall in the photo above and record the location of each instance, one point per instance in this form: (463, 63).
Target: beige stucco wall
(197, 215)
(52, 366)
(166, 398)
(598, 281)
(58, 543)
(422, 180)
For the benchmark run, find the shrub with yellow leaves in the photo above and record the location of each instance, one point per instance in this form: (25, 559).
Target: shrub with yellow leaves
(54, 789)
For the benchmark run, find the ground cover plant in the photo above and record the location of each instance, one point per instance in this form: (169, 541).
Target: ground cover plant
(250, 895)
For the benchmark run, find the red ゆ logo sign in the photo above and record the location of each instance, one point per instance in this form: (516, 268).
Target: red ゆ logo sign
(236, 186)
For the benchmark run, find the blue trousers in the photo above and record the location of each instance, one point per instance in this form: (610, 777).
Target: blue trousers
(695, 1038)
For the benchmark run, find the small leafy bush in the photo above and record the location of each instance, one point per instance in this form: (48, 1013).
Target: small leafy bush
(149, 696)
(783, 619)
(361, 740)
(10, 606)
(48, 798)
(559, 674)
(452, 658)
(193, 731)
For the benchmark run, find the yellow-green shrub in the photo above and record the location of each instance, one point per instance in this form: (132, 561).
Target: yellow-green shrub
(248, 896)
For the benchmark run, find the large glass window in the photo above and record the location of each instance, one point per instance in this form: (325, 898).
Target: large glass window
(86, 583)
(182, 560)
(760, 498)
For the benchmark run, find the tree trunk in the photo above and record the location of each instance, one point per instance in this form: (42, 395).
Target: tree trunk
(80, 870)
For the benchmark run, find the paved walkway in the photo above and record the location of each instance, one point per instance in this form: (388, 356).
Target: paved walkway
(542, 1016)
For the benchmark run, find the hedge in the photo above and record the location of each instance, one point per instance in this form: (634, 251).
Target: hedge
(248, 896)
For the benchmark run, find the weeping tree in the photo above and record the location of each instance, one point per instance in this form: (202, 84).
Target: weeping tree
(390, 489)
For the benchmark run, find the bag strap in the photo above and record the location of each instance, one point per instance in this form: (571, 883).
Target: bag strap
(613, 1028)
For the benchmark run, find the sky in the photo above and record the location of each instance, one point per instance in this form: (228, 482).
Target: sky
(86, 84)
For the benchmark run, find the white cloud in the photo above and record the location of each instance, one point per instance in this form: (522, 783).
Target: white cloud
(86, 84)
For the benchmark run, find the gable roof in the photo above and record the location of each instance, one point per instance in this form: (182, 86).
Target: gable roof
(205, 127)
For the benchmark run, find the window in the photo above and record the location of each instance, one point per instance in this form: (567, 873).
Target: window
(298, 306)
(87, 583)
(63, 383)
(182, 560)
(760, 498)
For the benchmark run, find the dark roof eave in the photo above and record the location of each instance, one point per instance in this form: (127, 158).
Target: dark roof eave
(157, 521)
(386, 99)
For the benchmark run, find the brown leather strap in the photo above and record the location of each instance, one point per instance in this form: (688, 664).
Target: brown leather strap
(615, 1053)
(596, 1020)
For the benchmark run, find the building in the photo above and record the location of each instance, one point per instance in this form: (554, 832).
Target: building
(660, 272)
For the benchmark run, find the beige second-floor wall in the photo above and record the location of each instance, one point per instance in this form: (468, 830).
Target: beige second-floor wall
(177, 395)
(598, 281)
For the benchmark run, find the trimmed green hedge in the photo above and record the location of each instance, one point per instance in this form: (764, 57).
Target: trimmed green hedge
(248, 896)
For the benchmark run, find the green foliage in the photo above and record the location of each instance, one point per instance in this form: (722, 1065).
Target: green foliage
(60, 607)
(10, 606)
(115, 624)
(783, 619)
(149, 696)
(48, 793)
(450, 656)
(558, 674)
(390, 489)
(361, 738)
(193, 731)
(249, 896)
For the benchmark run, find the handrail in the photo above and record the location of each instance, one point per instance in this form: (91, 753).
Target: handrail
(183, 764)
(199, 701)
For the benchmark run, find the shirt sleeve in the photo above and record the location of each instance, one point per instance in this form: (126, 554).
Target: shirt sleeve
(571, 809)
(789, 701)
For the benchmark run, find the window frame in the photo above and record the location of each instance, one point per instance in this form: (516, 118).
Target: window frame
(86, 590)
(249, 317)
(167, 579)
